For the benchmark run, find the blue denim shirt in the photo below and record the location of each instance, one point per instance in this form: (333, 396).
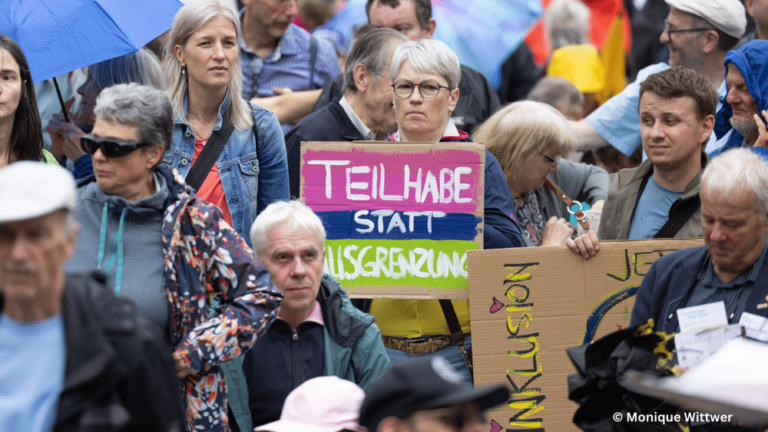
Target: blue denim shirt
(250, 183)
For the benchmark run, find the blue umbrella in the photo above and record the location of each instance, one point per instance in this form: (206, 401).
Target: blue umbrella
(58, 36)
(481, 32)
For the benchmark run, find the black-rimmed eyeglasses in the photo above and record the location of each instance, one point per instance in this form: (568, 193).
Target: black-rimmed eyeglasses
(110, 147)
(427, 89)
(688, 30)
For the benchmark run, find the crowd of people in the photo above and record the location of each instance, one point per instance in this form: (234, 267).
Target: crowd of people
(159, 272)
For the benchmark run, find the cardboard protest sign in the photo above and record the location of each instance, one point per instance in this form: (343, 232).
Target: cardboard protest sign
(528, 305)
(400, 218)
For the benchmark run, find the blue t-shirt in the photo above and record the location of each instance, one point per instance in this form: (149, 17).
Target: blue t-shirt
(652, 210)
(33, 359)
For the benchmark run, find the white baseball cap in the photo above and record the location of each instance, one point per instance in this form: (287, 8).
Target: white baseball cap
(322, 404)
(728, 16)
(33, 189)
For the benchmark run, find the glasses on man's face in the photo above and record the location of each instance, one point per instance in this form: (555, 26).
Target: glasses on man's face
(553, 162)
(688, 30)
(110, 147)
(428, 89)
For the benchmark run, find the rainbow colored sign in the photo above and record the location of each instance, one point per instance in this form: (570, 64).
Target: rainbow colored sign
(400, 218)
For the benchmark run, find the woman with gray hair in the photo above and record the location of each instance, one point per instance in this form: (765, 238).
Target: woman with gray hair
(166, 249)
(141, 67)
(425, 77)
(205, 79)
(529, 139)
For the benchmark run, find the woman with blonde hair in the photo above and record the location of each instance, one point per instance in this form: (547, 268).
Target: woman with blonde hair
(528, 139)
(204, 76)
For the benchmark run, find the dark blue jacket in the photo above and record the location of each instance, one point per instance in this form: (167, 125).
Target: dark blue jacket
(500, 229)
(331, 123)
(751, 59)
(669, 283)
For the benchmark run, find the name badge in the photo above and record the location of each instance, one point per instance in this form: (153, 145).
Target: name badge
(755, 326)
(700, 317)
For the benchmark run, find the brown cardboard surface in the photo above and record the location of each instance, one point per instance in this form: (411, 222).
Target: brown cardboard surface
(383, 242)
(529, 305)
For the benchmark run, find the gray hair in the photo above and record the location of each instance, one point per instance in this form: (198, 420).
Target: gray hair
(371, 50)
(189, 19)
(146, 107)
(293, 213)
(141, 67)
(567, 23)
(558, 92)
(736, 171)
(428, 56)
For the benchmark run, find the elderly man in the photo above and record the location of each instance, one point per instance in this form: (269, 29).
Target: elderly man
(698, 34)
(427, 395)
(414, 19)
(365, 112)
(732, 266)
(743, 115)
(73, 355)
(660, 198)
(317, 332)
(277, 54)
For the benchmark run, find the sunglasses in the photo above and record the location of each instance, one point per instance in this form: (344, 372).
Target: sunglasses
(110, 147)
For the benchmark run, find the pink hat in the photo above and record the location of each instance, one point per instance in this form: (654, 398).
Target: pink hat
(322, 404)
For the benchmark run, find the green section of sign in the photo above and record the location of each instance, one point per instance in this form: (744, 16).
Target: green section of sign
(427, 263)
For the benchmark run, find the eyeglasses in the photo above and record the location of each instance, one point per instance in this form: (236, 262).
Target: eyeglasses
(671, 31)
(553, 162)
(110, 147)
(457, 416)
(427, 89)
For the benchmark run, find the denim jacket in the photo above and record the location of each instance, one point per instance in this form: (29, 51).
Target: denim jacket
(250, 183)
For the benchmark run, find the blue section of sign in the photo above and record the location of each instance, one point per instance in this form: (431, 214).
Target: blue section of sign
(394, 225)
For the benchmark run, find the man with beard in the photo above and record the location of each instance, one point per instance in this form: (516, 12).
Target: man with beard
(743, 116)
(698, 34)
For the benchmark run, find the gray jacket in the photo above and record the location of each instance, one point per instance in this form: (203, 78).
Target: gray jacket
(582, 182)
(624, 192)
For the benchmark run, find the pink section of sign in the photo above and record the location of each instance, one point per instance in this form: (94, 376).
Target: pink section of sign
(364, 178)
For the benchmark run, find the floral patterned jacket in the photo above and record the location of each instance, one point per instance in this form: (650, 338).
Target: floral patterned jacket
(203, 255)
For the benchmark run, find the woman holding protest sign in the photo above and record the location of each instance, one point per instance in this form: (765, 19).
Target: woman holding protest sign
(425, 77)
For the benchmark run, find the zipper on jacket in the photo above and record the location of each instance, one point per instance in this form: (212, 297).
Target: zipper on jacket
(295, 359)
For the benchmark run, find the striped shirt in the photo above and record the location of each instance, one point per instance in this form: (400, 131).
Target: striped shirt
(735, 293)
(288, 65)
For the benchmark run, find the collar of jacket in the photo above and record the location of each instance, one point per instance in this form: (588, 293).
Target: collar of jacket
(173, 180)
(222, 110)
(643, 172)
(345, 323)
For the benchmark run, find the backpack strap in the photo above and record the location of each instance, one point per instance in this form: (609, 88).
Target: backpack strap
(207, 157)
(676, 220)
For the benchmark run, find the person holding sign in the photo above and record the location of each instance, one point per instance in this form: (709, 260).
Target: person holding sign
(660, 198)
(529, 139)
(732, 267)
(425, 76)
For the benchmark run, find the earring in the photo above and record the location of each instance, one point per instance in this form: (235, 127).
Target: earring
(183, 70)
